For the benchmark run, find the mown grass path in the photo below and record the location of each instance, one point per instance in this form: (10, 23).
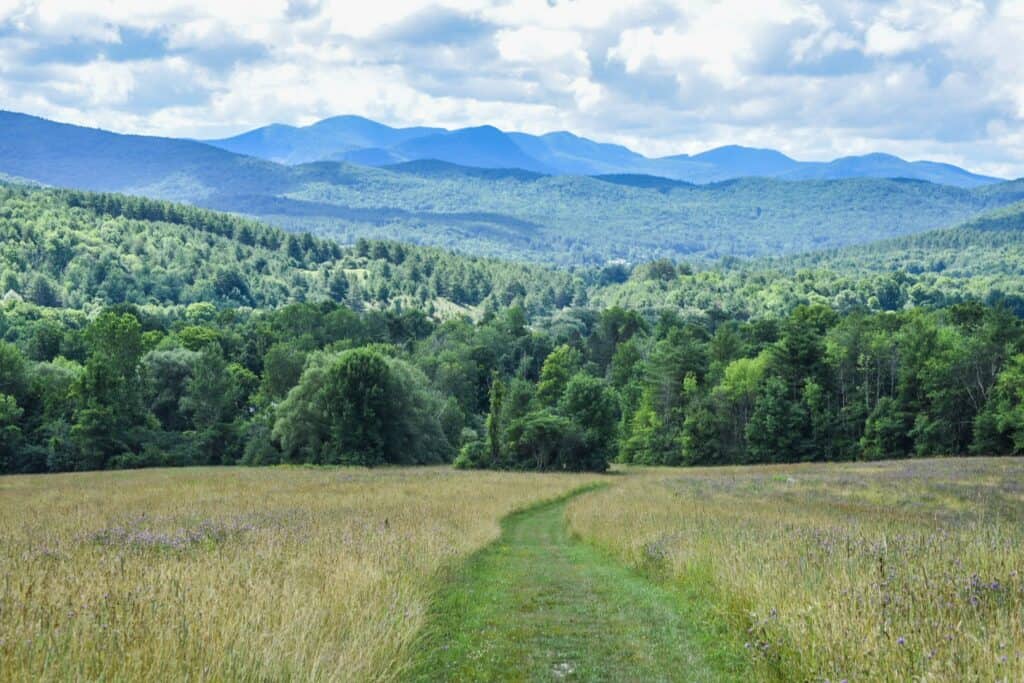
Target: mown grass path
(539, 605)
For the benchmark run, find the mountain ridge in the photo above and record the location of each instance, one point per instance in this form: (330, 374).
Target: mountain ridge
(565, 153)
(559, 219)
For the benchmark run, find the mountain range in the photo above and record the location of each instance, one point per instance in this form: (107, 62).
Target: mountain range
(362, 141)
(507, 212)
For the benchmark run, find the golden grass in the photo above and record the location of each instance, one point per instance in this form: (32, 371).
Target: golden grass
(884, 572)
(240, 574)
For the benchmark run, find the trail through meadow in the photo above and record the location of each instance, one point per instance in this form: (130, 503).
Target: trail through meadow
(540, 605)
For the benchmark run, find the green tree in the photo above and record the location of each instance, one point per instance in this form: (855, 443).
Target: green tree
(495, 428)
(589, 403)
(885, 432)
(774, 430)
(11, 439)
(338, 286)
(210, 401)
(282, 368)
(999, 427)
(560, 365)
(542, 440)
(109, 418)
(361, 407)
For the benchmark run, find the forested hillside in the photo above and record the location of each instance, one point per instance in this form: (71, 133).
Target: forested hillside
(989, 246)
(138, 332)
(590, 220)
(81, 250)
(980, 260)
(564, 220)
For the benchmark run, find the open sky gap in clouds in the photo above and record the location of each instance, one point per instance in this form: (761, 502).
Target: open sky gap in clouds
(816, 79)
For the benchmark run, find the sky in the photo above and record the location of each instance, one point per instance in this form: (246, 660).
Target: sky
(816, 79)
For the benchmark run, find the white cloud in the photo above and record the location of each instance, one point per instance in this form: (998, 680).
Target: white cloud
(537, 45)
(721, 40)
(361, 19)
(563, 14)
(817, 78)
(588, 94)
(883, 39)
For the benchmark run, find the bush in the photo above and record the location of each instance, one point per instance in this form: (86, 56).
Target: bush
(473, 456)
(361, 407)
(541, 440)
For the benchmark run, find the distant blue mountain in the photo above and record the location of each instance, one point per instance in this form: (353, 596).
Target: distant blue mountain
(735, 160)
(572, 155)
(495, 193)
(329, 139)
(87, 158)
(362, 141)
(483, 147)
(370, 156)
(432, 168)
(885, 166)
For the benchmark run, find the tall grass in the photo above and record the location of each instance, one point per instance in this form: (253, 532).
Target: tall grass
(240, 574)
(896, 571)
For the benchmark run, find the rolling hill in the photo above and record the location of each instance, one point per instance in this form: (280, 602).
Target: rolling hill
(581, 220)
(515, 213)
(91, 249)
(978, 260)
(989, 245)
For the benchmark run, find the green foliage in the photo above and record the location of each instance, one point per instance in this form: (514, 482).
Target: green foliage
(885, 432)
(592, 407)
(109, 415)
(10, 434)
(591, 221)
(1000, 424)
(472, 456)
(559, 366)
(180, 336)
(542, 440)
(86, 248)
(361, 407)
(773, 433)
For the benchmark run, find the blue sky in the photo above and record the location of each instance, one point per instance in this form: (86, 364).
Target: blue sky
(816, 79)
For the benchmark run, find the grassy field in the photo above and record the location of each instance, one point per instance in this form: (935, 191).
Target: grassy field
(236, 574)
(885, 571)
(889, 571)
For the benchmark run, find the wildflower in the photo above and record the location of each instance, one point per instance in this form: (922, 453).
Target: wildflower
(901, 641)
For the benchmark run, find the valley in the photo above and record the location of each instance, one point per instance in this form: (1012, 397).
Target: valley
(512, 213)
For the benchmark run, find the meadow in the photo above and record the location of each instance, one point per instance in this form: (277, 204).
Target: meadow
(897, 570)
(894, 571)
(236, 574)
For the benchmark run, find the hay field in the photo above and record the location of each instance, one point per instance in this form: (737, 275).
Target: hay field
(241, 574)
(895, 571)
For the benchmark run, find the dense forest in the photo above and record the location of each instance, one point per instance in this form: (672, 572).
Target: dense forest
(81, 250)
(137, 333)
(565, 220)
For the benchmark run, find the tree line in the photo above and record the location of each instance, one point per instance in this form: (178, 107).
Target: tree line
(137, 333)
(325, 384)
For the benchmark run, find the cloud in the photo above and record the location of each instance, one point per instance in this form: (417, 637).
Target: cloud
(883, 39)
(533, 44)
(816, 78)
